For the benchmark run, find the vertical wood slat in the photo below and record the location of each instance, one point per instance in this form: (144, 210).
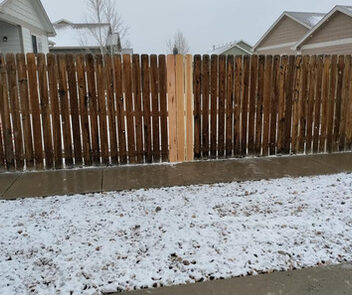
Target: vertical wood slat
(214, 104)
(324, 103)
(5, 117)
(338, 111)
(197, 106)
(127, 70)
(318, 103)
(303, 105)
(267, 93)
(237, 105)
(93, 108)
(15, 109)
(296, 102)
(229, 105)
(136, 84)
(252, 104)
(172, 107)
(154, 82)
(25, 110)
(260, 106)
(244, 108)
(83, 106)
(346, 102)
(189, 108)
(281, 100)
(205, 106)
(288, 103)
(180, 103)
(331, 104)
(310, 107)
(146, 109)
(120, 108)
(76, 133)
(55, 110)
(65, 115)
(348, 131)
(222, 100)
(163, 108)
(104, 147)
(111, 108)
(45, 111)
(274, 100)
(34, 100)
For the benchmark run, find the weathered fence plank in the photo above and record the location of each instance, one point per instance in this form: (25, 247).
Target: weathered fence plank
(229, 116)
(205, 106)
(45, 111)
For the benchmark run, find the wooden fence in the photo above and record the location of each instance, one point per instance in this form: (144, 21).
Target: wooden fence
(63, 111)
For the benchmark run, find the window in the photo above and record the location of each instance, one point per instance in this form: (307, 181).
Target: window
(35, 45)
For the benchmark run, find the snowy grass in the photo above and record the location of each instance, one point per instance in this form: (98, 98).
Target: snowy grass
(88, 244)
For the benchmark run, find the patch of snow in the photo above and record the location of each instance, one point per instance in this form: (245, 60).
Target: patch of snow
(88, 244)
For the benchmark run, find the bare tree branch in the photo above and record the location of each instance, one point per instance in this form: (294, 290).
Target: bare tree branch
(103, 12)
(178, 43)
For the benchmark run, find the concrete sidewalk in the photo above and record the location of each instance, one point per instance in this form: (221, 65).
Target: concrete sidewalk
(102, 179)
(327, 280)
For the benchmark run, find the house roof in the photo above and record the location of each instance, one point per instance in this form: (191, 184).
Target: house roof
(38, 5)
(306, 19)
(223, 48)
(71, 35)
(338, 8)
(309, 19)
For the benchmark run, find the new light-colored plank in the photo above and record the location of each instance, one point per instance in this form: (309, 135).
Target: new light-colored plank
(180, 102)
(172, 107)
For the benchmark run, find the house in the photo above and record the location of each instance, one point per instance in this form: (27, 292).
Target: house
(286, 31)
(85, 37)
(332, 35)
(24, 27)
(233, 48)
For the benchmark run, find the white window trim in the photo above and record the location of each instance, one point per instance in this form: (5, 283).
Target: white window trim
(327, 43)
(276, 46)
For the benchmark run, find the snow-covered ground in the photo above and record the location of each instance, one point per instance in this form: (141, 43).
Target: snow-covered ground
(88, 244)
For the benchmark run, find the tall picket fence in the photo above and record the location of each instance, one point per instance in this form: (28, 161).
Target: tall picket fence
(60, 111)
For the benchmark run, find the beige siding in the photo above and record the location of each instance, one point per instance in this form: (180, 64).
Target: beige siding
(338, 27)
(280, 51)
(286, 31)
(337, 49)
(13, 43)
(24, 10)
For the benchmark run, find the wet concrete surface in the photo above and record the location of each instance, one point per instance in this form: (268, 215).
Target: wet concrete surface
(103, 179)
(327, 280)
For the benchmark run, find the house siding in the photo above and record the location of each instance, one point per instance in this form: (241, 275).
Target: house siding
(336, 49)
(235, 51)
(13, 44)
(279, 51)
(24, 10)
(286, 31)
(338, 27)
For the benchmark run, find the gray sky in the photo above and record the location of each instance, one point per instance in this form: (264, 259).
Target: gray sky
(204, 22)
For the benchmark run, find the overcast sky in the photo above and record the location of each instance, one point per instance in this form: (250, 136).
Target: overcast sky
(204, 22)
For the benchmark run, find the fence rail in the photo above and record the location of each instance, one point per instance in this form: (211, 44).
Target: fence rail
(81, 110)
